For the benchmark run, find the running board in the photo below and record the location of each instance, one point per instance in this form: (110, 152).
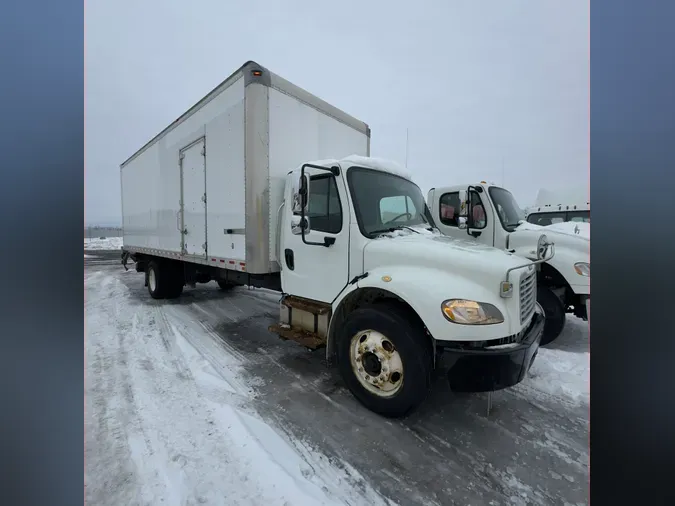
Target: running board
(308, 306)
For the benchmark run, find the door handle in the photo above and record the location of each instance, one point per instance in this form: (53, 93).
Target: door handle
(290, 259)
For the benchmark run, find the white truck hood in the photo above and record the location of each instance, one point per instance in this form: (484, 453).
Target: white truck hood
(572, 244)
(460, 257)
(569, 235)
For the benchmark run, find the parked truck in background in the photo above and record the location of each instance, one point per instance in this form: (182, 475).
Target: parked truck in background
(263, 184)
(495, 219)
(560, 206)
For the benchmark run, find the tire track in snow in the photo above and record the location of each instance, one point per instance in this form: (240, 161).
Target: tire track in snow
(172, 432)
(305, 414)
(512, 489)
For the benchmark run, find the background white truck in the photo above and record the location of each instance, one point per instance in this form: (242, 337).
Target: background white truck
(495, 219)
(560, 206)
(226, 193)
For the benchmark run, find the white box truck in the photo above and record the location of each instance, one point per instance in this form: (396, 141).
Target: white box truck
(229, 193)
(495, 219)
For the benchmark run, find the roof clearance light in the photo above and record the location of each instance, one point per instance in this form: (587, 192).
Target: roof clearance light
(257, 73)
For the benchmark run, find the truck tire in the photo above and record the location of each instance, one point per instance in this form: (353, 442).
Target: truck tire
(156, 280)
(176, 284)
(225, 286)
(554, 310)
(385, 360)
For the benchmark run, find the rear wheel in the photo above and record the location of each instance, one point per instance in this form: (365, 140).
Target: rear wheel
(176, 284)
(156, 281)
(554, 310)
(385, 360)
(225, 286)
(165, 280)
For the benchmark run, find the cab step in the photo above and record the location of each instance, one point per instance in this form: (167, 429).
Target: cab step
(308, 306)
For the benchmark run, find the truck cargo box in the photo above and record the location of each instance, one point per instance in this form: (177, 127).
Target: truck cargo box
(208, 188)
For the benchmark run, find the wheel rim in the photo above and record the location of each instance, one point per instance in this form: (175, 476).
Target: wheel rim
(152, 280)
(376, 363)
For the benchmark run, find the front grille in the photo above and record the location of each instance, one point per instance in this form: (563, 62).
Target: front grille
(528, 295)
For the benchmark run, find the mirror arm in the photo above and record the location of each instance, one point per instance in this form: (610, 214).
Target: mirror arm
(533, 262)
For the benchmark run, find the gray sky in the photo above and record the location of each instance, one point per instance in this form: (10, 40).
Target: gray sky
(475, 81)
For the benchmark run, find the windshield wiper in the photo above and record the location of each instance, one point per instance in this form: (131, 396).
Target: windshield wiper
(394, 229)
(424, 219)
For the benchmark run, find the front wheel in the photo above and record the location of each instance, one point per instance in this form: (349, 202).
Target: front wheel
(385, 360)
(554, 311)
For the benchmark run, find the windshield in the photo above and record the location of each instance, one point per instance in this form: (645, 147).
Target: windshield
(553, 217)
(507, 208)
(385, 202)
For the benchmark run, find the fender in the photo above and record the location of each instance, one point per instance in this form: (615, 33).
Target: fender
(568, 251)
(424, 289)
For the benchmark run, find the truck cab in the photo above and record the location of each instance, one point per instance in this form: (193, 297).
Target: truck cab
(365, 272)
(553, 207)
(494, 218)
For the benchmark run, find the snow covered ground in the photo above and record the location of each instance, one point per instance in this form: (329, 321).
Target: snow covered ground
(109, 243)
(564, 372)
(194, 402)
(169, 419)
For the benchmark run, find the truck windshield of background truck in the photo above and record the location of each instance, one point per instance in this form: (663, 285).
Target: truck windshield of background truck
(510, 214)
(385, 202)
(549, 218)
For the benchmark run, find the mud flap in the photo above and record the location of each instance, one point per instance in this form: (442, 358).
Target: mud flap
(125, 259)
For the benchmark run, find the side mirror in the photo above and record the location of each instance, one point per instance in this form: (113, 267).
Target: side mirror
(545, 249)
(300, 226)
(301, 197)
(463, 205)
(461, 223)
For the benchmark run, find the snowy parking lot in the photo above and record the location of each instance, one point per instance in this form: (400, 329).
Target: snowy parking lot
(193, 401)
(102, 244)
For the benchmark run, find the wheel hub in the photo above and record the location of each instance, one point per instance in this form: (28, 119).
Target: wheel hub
(372, 364)
(376, 363)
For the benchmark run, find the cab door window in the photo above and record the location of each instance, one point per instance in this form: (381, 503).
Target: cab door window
(449, 210)
(324, 208)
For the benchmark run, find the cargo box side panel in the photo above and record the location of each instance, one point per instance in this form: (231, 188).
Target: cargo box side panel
(225, 205)
(220, 123)
(300, 133)
(150, 203)
(152, 189)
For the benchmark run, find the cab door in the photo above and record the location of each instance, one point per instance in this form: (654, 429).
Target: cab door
(479, 223)
(315, 264)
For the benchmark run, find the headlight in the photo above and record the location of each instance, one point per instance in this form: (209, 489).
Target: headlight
(583, 269)
(469, 312)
